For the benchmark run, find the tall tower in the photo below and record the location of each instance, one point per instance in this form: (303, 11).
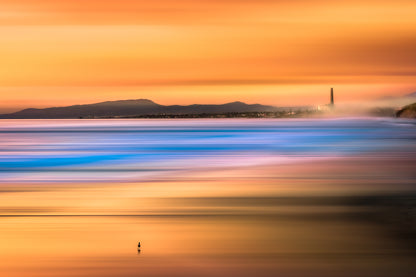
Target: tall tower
(332, 98)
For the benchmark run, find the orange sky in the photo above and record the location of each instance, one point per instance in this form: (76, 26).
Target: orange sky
(276, 52)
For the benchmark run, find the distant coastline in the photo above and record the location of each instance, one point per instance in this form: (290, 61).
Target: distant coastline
(144, 108)
(281, 114)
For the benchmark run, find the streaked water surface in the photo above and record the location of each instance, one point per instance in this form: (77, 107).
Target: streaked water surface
(232, 197)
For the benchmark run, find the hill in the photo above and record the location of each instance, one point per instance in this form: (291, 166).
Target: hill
(408, 111)
(137, 107)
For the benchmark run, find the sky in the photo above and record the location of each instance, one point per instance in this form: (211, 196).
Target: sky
(276, 52)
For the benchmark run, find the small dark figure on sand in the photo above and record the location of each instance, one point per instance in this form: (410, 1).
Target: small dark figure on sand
(138, 248)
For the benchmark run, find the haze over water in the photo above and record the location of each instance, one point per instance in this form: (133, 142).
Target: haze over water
(233, 197)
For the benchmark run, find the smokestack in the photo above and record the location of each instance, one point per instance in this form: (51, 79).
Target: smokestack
(332, 98)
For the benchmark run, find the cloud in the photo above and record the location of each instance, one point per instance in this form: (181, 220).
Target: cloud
(138, 43)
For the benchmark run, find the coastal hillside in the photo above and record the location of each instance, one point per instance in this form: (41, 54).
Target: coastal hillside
(408, 111)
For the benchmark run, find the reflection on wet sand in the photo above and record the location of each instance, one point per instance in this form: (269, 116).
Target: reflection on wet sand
(93, 231)
(347, 215)
(202, 246)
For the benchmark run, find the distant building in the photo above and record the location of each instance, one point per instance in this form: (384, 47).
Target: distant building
(329, 106)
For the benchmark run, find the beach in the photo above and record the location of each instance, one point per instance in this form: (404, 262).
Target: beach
(208, 197)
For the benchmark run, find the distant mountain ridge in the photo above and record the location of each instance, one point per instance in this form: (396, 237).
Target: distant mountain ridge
(135, 107)
(409, 96)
